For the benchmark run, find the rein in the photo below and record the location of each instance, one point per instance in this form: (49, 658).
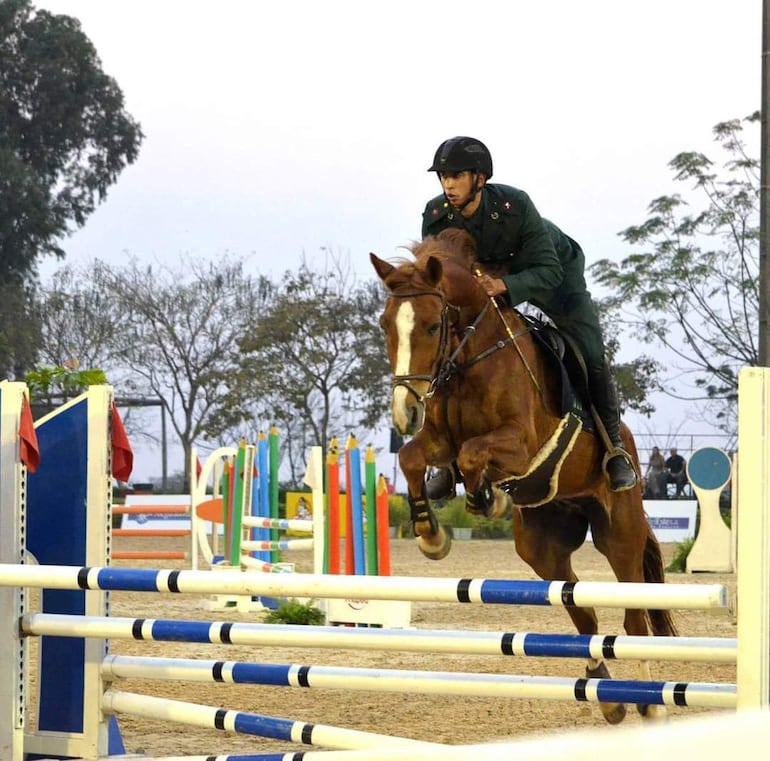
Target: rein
(446, 366)
(477, 273)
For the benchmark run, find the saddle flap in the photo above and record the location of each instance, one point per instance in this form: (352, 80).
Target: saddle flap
(569, 367)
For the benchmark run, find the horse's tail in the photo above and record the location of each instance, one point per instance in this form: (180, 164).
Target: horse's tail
(661, 621)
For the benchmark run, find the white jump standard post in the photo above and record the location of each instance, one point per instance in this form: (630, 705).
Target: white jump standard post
(753, 673)
(13, 483)
(709, 471)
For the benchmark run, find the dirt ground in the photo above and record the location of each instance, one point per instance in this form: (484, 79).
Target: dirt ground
(445, 719)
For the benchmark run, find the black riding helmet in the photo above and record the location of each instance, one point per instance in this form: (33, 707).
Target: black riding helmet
(460, 153)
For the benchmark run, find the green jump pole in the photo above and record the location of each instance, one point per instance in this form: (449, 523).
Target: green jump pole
(370, 474)
(237, 500)
(273, 452)
(227, 503)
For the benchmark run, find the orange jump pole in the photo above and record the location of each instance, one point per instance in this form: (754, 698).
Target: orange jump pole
(383, 534)
(149, 555)
(150, 509)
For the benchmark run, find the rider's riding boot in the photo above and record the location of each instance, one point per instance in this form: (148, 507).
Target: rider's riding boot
(617, 464)
(443, 484)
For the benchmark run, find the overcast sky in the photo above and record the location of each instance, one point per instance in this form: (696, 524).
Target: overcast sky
(276, 129)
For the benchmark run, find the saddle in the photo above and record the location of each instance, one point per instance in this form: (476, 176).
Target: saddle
(569, 368)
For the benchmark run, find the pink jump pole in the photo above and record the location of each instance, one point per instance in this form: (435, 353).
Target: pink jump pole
(333, 507)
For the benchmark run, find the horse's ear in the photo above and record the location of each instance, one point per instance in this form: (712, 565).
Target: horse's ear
(381, 267)
(433, 270)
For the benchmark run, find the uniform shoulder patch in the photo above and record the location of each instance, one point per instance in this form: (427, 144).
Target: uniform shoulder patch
(437, 208)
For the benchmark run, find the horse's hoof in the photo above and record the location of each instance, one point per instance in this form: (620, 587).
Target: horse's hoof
(613, 713)
(502, 506)
(435, 546)
(652, 712)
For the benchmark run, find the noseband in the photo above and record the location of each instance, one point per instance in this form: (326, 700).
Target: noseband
(443, 366)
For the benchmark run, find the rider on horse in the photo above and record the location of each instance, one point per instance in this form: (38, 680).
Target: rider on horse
(542, 266)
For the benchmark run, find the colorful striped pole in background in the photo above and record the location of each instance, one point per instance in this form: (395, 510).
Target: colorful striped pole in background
(333, 507)
(273, 485)
(370, 470)
(355, 540)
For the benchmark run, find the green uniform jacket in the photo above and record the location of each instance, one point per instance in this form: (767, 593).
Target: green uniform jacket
(545, 266)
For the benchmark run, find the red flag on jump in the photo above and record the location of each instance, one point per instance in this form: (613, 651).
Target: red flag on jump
(122, 454)
(29, 450)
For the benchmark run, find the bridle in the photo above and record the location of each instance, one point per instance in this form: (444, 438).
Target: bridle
(445, 365)
(443, 346)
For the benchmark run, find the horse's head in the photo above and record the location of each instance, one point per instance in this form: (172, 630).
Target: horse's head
(418, 316)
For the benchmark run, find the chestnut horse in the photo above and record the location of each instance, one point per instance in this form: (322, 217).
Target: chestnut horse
(472, 386)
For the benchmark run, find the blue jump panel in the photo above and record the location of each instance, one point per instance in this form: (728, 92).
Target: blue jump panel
(57, 496)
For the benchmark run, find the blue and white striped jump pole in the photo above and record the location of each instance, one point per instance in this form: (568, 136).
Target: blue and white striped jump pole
(690, 694)
(599, 646)
(420, 589)
(300, 732)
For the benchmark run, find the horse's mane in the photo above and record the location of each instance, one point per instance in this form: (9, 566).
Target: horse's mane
(452, 246)
(449, 245)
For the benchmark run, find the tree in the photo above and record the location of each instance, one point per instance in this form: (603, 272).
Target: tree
(694, 288)
(317, 356)
(19, 329)
(79, 321)
(635, 379)
(64, 134)
(181, 338)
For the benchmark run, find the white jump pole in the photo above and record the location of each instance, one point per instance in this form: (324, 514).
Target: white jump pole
(414, 588)
(147, 706)
(702, 694)
(598, 646)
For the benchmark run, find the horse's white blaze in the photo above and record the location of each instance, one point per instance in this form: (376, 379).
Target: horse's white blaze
(404, 327)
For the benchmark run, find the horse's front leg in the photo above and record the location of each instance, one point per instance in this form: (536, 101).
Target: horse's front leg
(432, 540)
(486, 459)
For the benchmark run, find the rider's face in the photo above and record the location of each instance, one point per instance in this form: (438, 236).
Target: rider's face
(458, 186)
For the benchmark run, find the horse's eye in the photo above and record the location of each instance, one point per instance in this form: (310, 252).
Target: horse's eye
(433, 329)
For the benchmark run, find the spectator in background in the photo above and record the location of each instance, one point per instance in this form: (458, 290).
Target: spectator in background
(675, 472)
(656, 476)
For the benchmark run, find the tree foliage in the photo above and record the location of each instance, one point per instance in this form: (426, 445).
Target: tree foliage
(180, 335)
(635, 379)
(64, 134)
(51, 386)
(317, 355)
(79, 322)
(692, 287)
(228, 354)
(19, 328)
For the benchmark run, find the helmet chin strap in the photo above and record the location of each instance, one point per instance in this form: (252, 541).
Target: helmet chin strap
(471, 197)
